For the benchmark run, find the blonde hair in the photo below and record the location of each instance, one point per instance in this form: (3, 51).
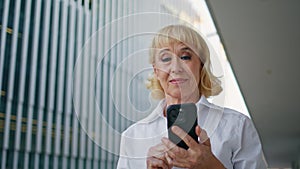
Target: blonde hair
(209, 84)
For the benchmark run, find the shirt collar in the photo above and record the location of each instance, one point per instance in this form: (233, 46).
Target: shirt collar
(158, 112)
(203, 102)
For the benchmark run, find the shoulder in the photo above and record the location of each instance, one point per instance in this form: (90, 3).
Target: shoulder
(236, 121)
(223, 112)
(140, 136)
(234, 115)
(231, 117)
(136, 129)
(229, 120)
(240, 125)
(147, 125)
(245, 139)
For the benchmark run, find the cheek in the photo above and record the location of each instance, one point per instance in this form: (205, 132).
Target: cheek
(197, 73)
(162, 76)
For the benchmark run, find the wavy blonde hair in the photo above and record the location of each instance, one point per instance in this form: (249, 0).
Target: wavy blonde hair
(209, 84)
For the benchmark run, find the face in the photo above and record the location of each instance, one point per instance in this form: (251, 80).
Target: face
(177, 68)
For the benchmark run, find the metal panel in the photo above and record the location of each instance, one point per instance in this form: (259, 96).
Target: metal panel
(21, 91)
(11, 84)
(83, 114)
(42, 83)
(118, 61)
(124, 53)
(77, 95)
(100, 46)
(116, 116)
(106, 72)
(94, 54)
(75, 127)
(68, 101)
(99, 96)
(32, 82)
(3, 41)
(93, 146)
(88, 78)
(128, 67)
(112, 64)
(60, 83)
(51, 84)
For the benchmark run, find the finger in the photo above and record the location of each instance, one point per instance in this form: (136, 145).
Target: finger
(173, 149)
(202, 134)
(157, 151)
(156, 163)
(204, 139)
(168, 144)
(198, 130)
(180, 163)
(189, 141)
(207, 142)
(169, 160)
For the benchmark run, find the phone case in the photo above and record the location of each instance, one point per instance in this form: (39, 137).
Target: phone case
(185, 117)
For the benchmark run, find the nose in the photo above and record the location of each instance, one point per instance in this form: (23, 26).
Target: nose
(176, 66)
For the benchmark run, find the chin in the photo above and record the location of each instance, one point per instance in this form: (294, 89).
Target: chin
(173, 94)
(183, 92)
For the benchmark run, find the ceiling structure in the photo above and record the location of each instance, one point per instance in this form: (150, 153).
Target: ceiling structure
(262, 43)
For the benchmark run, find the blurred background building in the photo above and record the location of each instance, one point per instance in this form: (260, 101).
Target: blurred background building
(66, 62)
(73, 73)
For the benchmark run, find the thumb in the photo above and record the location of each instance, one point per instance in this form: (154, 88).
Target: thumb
(201, 133)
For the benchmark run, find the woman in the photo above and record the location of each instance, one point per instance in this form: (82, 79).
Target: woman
(181, 64)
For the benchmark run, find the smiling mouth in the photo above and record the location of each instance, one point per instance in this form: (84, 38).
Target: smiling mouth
(178, 81)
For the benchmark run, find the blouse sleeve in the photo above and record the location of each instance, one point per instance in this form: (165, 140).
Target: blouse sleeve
(122, 162)
(248, 154)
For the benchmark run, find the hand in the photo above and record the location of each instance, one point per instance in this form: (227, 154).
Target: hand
(156, 157)
(198, 155)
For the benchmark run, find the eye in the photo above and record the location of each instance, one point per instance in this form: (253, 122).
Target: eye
(166, 58)
(185, 57)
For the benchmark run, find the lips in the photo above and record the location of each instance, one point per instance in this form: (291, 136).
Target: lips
(178, 80)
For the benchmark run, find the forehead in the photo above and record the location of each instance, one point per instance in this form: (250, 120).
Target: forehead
(162, 42)
(165, 41)
(176, 46)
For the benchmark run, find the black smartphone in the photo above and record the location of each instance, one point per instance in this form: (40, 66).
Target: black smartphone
(185, 117)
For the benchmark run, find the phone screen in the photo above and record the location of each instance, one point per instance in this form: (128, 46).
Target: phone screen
(185, 117)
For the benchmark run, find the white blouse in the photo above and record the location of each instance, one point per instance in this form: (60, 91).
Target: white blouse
(234, 139)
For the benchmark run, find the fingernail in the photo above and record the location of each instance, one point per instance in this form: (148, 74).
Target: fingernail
(164, 139)
(203, 136)
(175, 128)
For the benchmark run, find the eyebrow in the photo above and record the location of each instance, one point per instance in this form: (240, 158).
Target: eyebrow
(163, 50)
(186, 49)
(182, 49)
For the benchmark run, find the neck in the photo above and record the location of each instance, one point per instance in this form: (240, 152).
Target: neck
(172, 100)
(190, 99)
